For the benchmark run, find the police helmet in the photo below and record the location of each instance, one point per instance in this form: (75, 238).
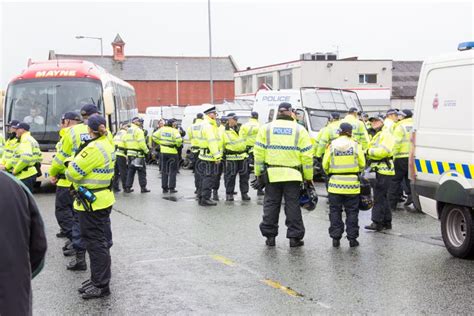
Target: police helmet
(308, 198)
(365, 199)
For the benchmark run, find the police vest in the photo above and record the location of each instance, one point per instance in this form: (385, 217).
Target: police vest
(401, 134)
(234, 146)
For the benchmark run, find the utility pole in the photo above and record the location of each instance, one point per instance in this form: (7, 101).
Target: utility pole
(210, 51)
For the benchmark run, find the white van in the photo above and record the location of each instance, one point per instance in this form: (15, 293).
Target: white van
(154, 114)
(313, 105)
(442, 158)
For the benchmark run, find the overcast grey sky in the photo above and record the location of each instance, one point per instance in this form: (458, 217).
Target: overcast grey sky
(255, 33)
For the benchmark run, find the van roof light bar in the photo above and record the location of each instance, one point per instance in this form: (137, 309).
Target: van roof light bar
(465, 46)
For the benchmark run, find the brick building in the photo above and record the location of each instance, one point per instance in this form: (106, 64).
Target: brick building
(154, 77)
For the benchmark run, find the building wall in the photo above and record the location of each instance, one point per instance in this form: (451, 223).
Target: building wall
(403, 104)
(153, 93)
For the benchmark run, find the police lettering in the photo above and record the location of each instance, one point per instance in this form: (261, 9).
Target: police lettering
(281, 98)
(282, 131)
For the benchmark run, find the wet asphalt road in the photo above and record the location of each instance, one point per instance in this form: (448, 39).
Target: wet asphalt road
(173, 256)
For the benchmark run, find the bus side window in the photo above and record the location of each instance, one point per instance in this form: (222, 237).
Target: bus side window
(270, 115)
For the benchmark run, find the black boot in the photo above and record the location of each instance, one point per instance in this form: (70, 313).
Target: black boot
(229, 197)
(95, 292)
(215, 195)
(409, 200)
(296, 242)
(353, 243)
(79, 262)
(205, 202)
(336, 243)
(270, 242)
(374, 226)
(128, 190)
(61, 234)
(260, 192)
(69, 252)
(245, 197)
(84, 286)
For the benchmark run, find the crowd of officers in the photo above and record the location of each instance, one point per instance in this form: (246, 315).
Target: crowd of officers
(91, 163)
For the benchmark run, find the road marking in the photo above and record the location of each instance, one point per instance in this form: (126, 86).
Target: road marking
(170, 259)
(282, 288)
(223, 260)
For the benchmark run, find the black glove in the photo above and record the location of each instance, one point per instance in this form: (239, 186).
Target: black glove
(257, 183)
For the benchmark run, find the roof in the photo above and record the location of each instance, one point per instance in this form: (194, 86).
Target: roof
(405, 75)
(118, 40)
(161, 68)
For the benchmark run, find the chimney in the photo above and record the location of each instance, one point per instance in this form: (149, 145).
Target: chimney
(117, 46)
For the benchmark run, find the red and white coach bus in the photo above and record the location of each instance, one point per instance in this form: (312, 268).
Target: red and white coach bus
(42, 93)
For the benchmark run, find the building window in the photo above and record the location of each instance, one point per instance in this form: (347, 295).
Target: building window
(367, 78)
(286, 79)
(246, 84)
(265, 79)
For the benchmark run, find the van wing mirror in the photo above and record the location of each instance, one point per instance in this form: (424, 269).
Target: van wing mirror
(109, 100)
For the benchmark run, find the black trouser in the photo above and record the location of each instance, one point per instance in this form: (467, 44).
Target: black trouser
(180, 155)
(169, 168)
(120, 172)
(350, 204)
(64, 211)
(399, 180)
(131, 174)
(218, 175)
(29, 182)
(272, 205)
(208, 171)
(232, 168)
(197, 173)
(381, 213)
(95, 227)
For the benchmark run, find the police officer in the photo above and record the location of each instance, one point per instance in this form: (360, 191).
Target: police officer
(91, 174)
(11, 144)
(25, 157)
(359, 132)
(328, 134)
(136, 152)
(235, 156)
(391, 117)
(401, 152)
(120, 173)
(249, 131)
(217, 183)
(63, 204)
(284, 155)
(379, 153)
(210, 157)
(343, 160)
(195, 136)
(169, 139)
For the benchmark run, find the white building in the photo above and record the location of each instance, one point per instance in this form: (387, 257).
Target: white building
(380, 83)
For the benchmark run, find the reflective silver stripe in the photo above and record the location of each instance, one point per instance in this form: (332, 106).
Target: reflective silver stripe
(74, 140)
(58, 161)
(268, 135)
(297, 135)
(92, 181)
(344, 178)
(104, 153)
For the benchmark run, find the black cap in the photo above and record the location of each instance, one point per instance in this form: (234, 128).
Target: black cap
(284, 106)
(376, 118)
(22, 125)
(199, 116)
(224, 118)
(334, 116)
(345, 128)
(12, 123)
(254, 114)
(232, 116)
(407, 113)
(392, 111)
(95, 121)
(71, 116)
(210, 110)
(365, 115)
(89, 109)
(171, 121)
(137, 118)
(353, 110)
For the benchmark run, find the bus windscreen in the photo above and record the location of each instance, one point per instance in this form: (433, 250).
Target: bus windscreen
(41, 103)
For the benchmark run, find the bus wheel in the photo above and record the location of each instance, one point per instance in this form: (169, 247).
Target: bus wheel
(457, 228)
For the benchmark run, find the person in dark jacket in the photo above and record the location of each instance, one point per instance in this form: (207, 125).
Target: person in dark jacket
(22, 246)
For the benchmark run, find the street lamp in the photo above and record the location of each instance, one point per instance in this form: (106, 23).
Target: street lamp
(96, 38)
(177, 86)
(210, 51)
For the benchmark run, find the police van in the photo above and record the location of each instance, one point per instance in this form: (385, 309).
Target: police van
(442, 157)
(312, 104)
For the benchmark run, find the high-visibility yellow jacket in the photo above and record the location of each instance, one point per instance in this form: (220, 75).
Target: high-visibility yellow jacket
(235, 147)
(401, 134)
(359, 132)
(248, 131)
(93, 168)
(284, 149)
(211, 146)
(389, 124)
(343, 160)
(120, 148)
(8, 150)
(329, 133)
(135, 142)
(169, 139)
(26, 155)
(72, 139)
(195, 135)
(380, 153)
(2, 145)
